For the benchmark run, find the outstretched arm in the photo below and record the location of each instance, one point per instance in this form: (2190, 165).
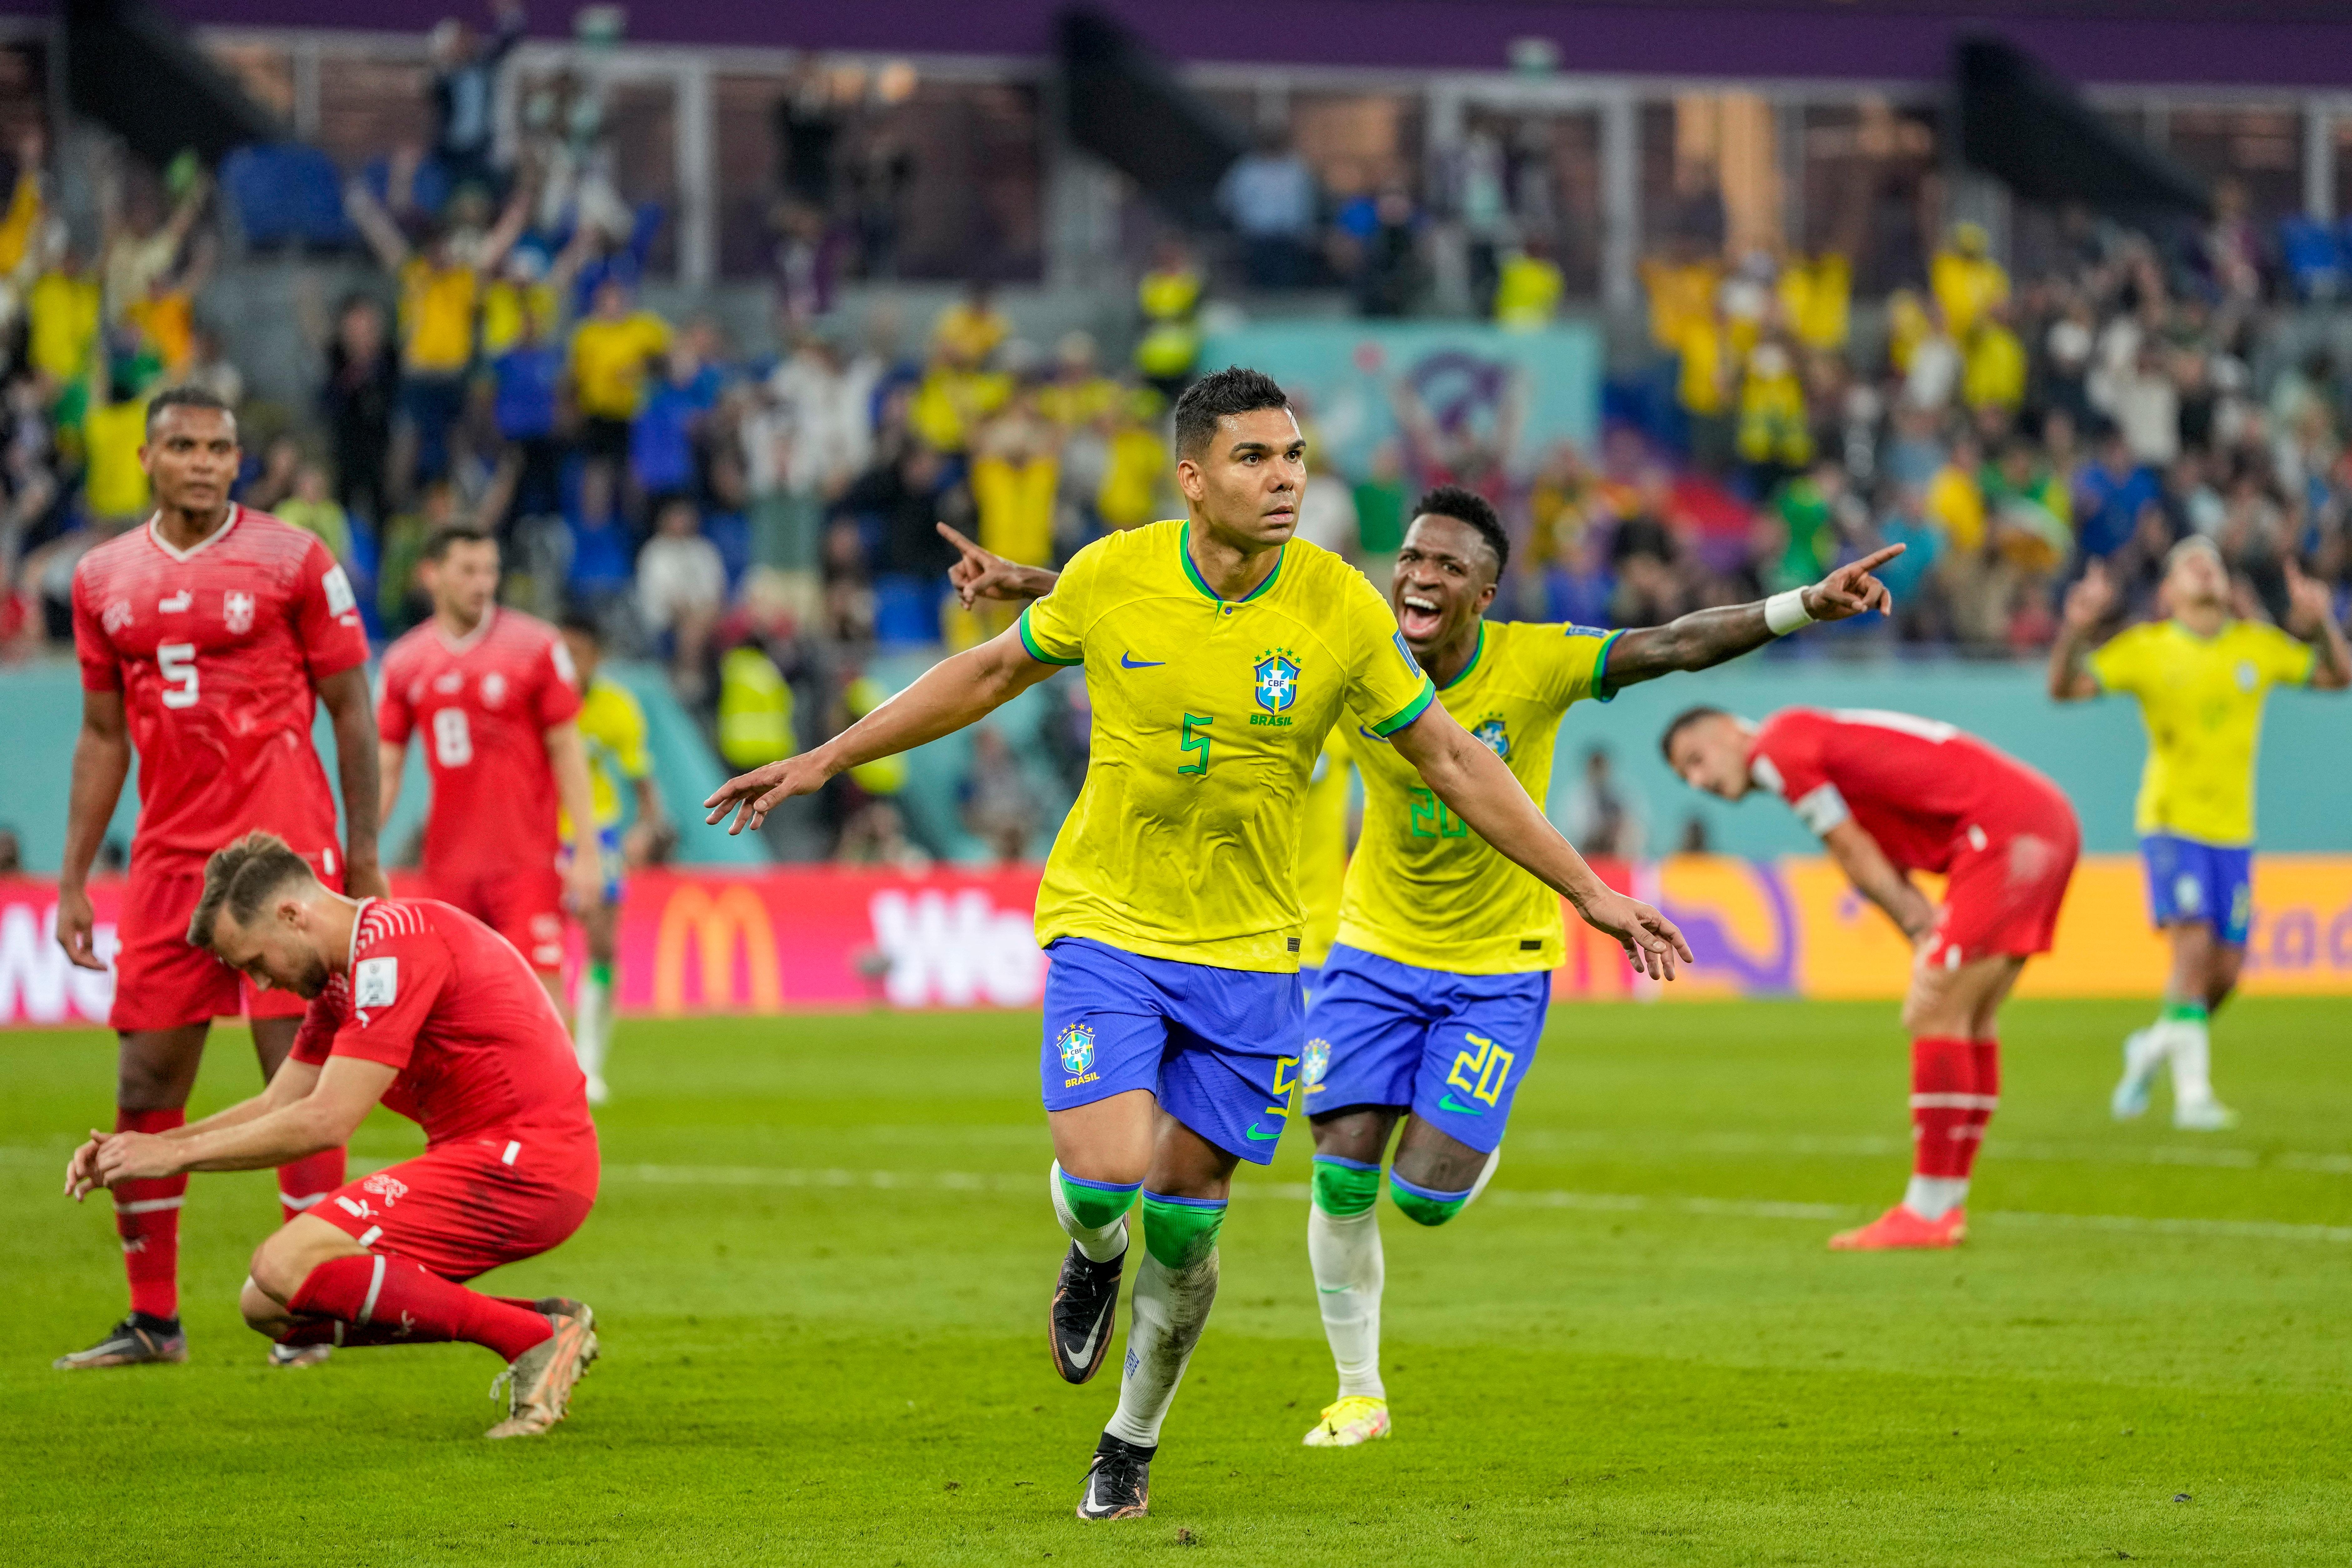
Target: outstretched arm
(1706, 638)
(953, 693)
(2086, 602)
(1483, 791)
(1873, 876)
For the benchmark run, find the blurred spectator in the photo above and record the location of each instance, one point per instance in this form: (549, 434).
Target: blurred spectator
(681, 588)
(12, 852)
(313, 509)
(1168, 351)
(1390, 274)
(2109, 497)
(1000, 808)
(1966, 280)
(612, 351)
(464, 96)
(359, 397)
(1016, 475)
(1270, 196)
(1527, 288)
(1602, 820)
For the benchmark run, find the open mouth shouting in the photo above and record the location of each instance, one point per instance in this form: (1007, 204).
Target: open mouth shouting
(1418, 615)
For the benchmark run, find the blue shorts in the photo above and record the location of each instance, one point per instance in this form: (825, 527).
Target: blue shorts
(2189, 882)
(1452, 1047)
(1219, 1048)
(608, 845)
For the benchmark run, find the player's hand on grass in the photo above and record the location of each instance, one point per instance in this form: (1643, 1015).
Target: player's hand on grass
(750, 796)
(1651, 943)
(981, 573)
(1851, 590)
(82, 1171)
(2088, 600)
(77, 928)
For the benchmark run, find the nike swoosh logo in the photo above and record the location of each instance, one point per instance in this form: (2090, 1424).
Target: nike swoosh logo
(1447, 1102)
(1128, 661)
(1084, 1353)
(1257, 1137)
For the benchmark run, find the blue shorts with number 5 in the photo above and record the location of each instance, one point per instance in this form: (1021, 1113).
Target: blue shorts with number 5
(2191, 882)
(1218, 1046)
(1452, 1047)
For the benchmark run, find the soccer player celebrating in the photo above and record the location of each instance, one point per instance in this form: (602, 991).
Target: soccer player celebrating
(613, 730)
(2201, 677)
(421, 1008)
(1433, 998)
(1219, 652)
(1890, 795)
(207, 639)
(496, 694)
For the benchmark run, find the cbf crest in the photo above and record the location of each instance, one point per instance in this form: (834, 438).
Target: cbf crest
(1076, 1046)
(1274, 685)
(236, 611)
(1492, 734)
(1315, 1063)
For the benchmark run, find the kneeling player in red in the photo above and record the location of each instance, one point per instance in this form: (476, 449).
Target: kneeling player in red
(1890, 795)
(424, 1008)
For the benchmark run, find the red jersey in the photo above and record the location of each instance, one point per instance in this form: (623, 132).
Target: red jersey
(485, 702)
(1924, 789)
(481, 1054)
(217, 652)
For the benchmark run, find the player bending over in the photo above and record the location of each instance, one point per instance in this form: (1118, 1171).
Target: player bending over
(207, 639)
(2201, 677)
(1219, 652)
(612, 732)
(1432, 997)
(1890, 795)
(422, 1008)
(494, 693)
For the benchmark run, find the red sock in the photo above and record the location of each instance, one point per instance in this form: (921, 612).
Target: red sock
(302, 1182)
(147, 1218)
(1942, 1097)
(400, 1301)
(1985, 1057)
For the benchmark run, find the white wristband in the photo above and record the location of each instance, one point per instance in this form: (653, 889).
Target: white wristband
(1785, 612)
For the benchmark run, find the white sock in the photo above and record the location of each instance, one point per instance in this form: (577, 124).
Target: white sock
(1933, 1197)
(1169, 1309)
(2191, 1047)
(1345, 1255)
(591, 1024)
(1100, 1244)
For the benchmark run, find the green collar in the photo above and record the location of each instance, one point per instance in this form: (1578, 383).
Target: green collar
(1475, 655)
(1184, 554)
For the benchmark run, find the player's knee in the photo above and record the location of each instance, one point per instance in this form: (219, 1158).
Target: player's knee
(1091, 1205)
(1180, 1232)
(1343, 1187)
(263, 1314)
(276, 1273)
(1425, 1205)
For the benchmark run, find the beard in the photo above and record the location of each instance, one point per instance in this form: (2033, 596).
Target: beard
(310, 979)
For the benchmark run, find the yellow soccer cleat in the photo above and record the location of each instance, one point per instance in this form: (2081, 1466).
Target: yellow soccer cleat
(1358, 1418)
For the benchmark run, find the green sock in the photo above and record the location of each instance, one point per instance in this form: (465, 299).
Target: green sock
(1180, 1232)
(1344, 1188)
(2182, 1013)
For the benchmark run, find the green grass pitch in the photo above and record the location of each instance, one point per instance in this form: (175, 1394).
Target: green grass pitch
(824, 1249)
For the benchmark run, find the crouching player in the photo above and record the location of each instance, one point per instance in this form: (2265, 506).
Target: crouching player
(1890, 795)
(424, 1008)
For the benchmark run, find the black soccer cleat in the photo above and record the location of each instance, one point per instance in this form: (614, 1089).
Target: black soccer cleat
(1085, 1305)
(137, 1339)
(1119, 1482)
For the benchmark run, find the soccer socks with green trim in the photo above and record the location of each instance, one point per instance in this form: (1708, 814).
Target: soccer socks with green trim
(1427, 1206)
(1093, 1214)
(592, 1019)
(2188, 1041)
(1343, 1249)
(1174, 1289)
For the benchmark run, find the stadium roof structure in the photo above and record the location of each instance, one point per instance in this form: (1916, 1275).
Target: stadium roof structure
(2280, 43)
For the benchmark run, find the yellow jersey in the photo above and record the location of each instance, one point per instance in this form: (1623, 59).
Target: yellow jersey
(2201, 700)
(612, 732)
(1323, 849)
(1423, 888)
(1208, 716)
(436, 317)
(608, 362)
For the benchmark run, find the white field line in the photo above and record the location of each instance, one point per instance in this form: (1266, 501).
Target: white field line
(1507, 1197)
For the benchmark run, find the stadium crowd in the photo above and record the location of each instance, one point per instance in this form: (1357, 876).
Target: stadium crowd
(761, 517)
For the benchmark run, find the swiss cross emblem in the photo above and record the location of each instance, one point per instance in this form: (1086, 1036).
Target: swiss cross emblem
(237, 610)
(494, 689)
(118, 615)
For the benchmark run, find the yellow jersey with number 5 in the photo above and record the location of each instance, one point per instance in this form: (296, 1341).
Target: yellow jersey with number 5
(1208, 716)
(1423, 888)
(2201, 700)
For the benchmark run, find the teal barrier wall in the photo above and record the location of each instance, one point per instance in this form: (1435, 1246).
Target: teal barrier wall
(40, 707)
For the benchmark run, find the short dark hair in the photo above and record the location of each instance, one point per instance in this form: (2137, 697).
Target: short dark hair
(1684, 721)
(240, 877)
(1469, 507)
(585, 623)
(187, 397)
(1234, 390)
(437, 549)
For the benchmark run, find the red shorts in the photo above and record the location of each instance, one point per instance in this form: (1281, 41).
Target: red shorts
(464, 1209)
(2006, 885)
(162, 982)
(522, 904)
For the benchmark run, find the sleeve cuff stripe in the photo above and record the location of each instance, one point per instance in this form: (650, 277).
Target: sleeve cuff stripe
(1601, 689)
(1030, 643)
(1409, 712)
